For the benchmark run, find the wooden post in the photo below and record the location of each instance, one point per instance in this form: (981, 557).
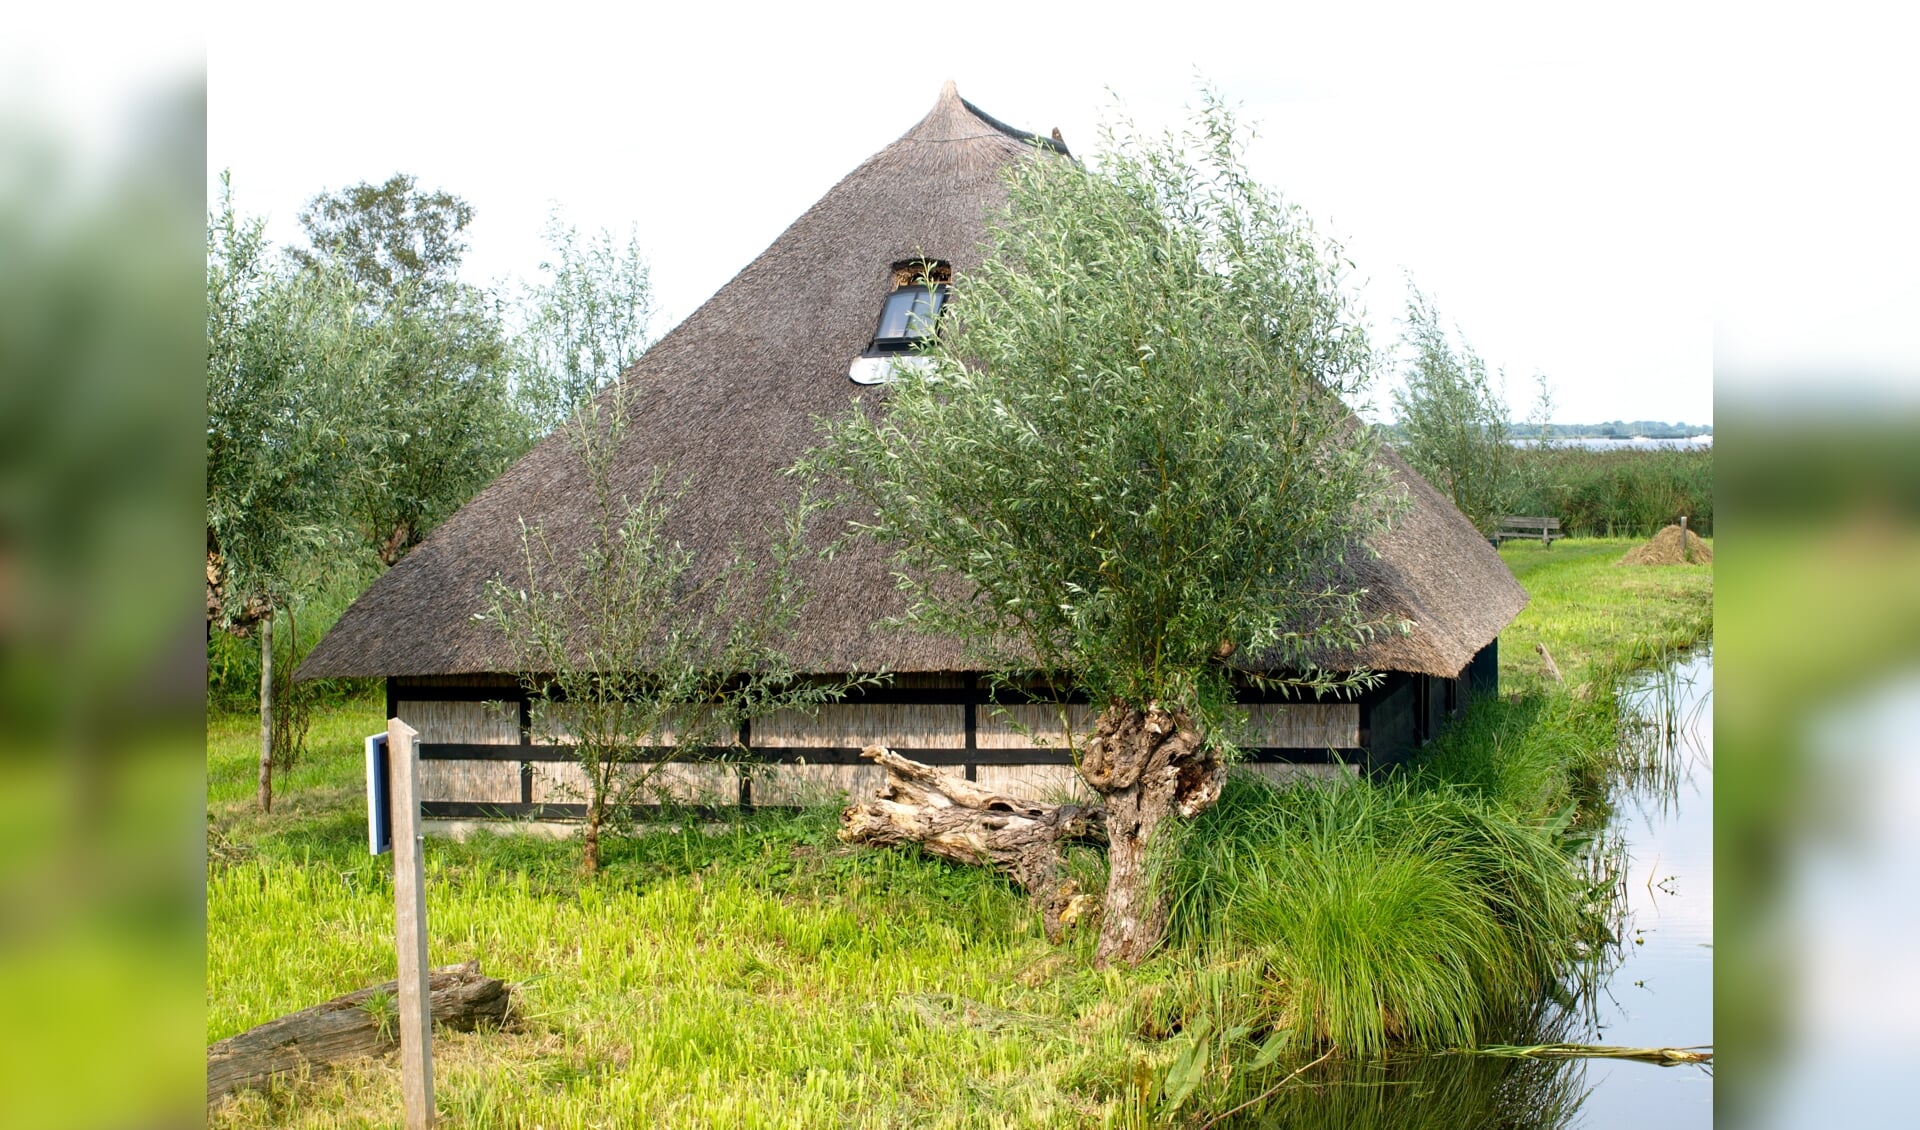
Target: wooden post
(1686, 554)
(1547, 657)
(410, 926)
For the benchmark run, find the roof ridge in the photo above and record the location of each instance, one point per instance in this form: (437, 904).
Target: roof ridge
(1014, 132)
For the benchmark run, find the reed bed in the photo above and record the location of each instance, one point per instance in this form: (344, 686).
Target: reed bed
(1622, 492)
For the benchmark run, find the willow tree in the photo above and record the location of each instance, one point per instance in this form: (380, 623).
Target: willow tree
(1453, 418)
(634, 652)
(285, 361)
(1128, 469)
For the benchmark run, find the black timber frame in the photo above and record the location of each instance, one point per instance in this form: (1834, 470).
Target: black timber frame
(1425, 702)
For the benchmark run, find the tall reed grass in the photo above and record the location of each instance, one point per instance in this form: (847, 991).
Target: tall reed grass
(1617, 493)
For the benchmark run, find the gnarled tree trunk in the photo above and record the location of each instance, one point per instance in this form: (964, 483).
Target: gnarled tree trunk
(957, 819)
(1145, 764)
(590, 838)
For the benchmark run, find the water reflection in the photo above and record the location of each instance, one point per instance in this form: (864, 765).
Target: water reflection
(1654, 985)
(1667, 735)
(1439, 1092)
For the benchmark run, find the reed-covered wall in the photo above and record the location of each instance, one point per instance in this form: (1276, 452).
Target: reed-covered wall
(487, 753)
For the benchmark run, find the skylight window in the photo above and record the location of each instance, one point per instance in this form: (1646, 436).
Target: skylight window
(908, 316)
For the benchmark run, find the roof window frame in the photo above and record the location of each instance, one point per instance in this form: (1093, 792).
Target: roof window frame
(891, 345)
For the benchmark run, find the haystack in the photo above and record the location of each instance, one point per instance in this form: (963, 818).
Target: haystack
(1665, 549)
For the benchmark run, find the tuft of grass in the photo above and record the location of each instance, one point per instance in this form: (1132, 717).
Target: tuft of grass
(1535, 756)
(1378, 915)
(384, 1008)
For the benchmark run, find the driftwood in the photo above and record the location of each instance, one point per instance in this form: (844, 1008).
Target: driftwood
(358, 1024)
(957, 819)
(1666, 1057)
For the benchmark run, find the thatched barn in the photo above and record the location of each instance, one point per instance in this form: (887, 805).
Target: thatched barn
(727, 400)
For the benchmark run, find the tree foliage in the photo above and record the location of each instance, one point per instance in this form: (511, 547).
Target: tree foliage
(1453, 419)
(1129, 465)
(356, 394)
(625, 640)
(284, 367)
(440, 421)
(392, 239)
(1131, 445)
(584, 321)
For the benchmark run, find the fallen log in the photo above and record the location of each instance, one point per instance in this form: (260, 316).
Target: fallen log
(361, 1023)
(957, 819)
(1666, 1057)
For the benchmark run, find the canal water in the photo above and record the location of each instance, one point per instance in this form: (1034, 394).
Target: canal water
(1652, 988)
(1659, 990)
(1616, 443)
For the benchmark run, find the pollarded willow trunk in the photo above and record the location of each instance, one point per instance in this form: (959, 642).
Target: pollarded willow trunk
(1146, 765)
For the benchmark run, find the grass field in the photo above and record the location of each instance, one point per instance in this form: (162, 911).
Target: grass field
(759, 974)
(1596, 616)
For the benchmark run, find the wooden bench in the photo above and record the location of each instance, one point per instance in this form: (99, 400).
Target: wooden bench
(1517, 526)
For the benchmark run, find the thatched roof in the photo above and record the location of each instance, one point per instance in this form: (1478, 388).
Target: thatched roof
(728, 400)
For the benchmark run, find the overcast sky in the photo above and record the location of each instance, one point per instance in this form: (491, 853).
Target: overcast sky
(1552, 178)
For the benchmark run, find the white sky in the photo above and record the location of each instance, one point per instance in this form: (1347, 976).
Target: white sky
(1551, 177)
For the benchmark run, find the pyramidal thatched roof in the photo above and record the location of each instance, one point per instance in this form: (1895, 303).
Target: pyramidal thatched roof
(728, 399)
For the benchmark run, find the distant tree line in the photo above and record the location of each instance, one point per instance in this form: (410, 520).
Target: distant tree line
(359, 391)
(1623, 429)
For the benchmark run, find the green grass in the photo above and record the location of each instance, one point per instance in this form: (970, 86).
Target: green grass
(1596, 616)
(754, 978)
(1545, 750)
(757, 973)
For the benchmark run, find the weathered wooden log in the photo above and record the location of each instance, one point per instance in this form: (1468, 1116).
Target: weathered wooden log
(358, 1024)
(1546, 657)
(957, 819)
